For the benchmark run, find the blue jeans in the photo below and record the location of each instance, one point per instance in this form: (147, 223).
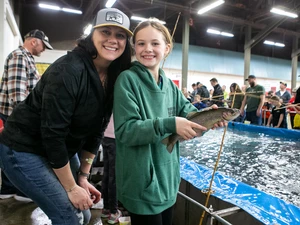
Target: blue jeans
(33, 175)
(253, 118)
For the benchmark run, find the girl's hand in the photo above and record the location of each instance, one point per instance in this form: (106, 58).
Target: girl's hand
(186, 129)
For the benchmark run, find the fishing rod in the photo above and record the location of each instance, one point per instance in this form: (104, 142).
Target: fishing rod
(175, 27)
(209, 191)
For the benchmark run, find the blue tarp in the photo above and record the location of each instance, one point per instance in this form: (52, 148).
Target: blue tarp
(275, 132)
(266, 208)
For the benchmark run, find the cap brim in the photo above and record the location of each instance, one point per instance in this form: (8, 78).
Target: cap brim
(47, 45)
(114, 25)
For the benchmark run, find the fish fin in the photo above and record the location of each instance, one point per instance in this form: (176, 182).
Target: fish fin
(165, 141)
(170, 145)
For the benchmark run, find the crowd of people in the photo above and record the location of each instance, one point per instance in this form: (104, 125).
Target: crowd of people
(256, 106)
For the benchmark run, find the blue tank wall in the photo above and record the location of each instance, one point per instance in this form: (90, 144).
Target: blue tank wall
(211, 60)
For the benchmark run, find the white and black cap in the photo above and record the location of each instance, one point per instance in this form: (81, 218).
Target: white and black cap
(112, 17)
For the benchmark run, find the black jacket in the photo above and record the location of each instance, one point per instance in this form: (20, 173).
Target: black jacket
(218, 92)
(67, 111)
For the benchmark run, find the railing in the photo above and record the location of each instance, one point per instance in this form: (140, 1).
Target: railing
(213, 215)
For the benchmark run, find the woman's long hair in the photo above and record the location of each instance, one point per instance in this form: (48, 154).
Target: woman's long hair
(234, 87)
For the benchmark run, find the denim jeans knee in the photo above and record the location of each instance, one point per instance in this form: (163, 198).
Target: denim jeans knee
(33, 175)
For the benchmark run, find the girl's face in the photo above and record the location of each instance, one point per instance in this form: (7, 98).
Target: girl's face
(150, 48)
(110, 42)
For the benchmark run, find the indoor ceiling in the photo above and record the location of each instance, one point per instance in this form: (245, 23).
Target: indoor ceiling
(233, 16)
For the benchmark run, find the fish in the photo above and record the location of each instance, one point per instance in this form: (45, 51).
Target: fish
(206, 118)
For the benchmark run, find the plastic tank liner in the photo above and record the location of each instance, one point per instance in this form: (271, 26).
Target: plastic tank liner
(266, 208)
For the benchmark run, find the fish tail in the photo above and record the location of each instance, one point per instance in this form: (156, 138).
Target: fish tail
(170, 145)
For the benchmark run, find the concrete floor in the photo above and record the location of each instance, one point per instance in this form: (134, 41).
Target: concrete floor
(13, 212)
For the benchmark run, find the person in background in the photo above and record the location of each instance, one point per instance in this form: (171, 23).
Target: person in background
(186, 94)
(67, 113)
(283, 93)
(147, 107)
(218, 96)
(18, 80)
(291, 110)
(203, 92)
(278, 115)
(266, 109)
(297, 109)
(194, 92)
(225, 93)
(270, 93)
(254, 100)
(236, 97)
(108, 190)
(198, 104)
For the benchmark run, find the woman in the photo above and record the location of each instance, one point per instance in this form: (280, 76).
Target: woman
(237, 96)
(67, 113)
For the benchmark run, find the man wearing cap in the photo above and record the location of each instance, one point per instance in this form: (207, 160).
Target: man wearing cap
(283, 93)
(254, 100)
(218, 95)
(19, 78)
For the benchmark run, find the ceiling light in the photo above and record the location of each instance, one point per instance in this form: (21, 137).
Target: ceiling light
(227, 34)
(274, 43)
(110, 3)
(138, 18)
(283, 12)
(88, 29)
(71, 11)
(53, 7)
(211, 6)
(213, 31)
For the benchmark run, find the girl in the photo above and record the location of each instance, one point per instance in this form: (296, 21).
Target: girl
(278, 114)
(66, 113)
(148, 106)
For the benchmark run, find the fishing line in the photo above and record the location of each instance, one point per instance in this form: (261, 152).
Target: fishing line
(162, 66)
(209, 191)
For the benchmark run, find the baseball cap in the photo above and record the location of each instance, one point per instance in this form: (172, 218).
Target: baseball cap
(112, 17)
(40, 35)
(250, 77)
(285, 84)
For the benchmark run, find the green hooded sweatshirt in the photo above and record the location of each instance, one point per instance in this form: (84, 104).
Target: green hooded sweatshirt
(147, 175)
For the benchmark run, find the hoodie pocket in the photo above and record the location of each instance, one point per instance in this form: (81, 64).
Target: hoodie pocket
(164, 183)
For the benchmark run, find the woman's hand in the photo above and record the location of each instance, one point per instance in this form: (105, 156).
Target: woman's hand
(94, 194)
(80, 198)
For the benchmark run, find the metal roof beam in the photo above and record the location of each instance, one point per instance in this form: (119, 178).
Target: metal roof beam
(262, 34)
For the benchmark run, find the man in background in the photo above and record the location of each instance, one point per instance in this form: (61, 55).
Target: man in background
(218, 95)
(254, 100)
(283, 93)
(203, 92)
(18, 80)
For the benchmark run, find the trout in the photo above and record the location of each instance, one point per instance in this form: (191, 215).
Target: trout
(206, 118)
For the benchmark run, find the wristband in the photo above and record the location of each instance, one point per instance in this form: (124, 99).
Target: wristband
(72, 188)
(89, 160)
(80, 173)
